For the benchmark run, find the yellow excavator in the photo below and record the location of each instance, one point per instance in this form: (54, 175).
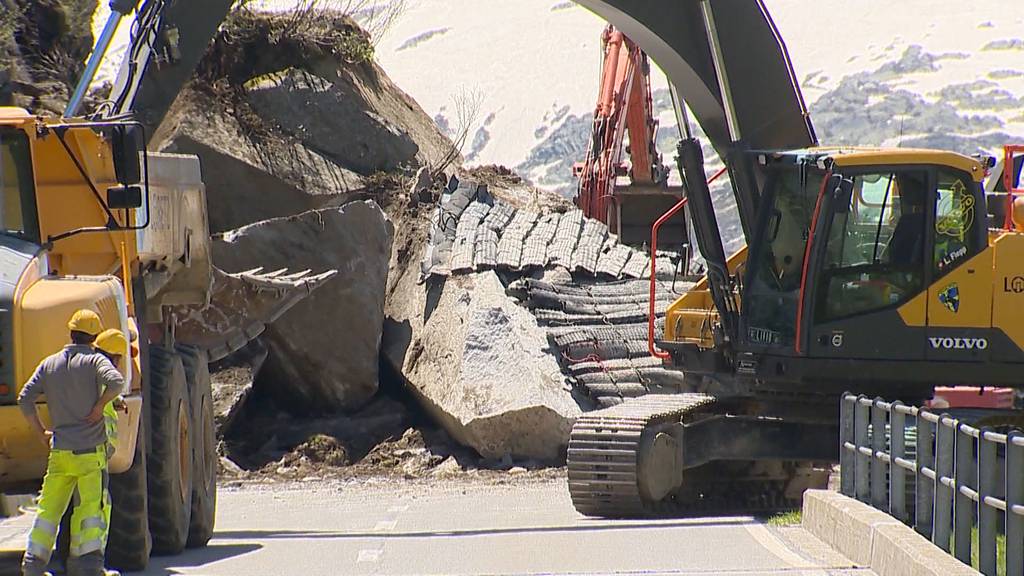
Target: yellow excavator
(876, 271)
(91, 219)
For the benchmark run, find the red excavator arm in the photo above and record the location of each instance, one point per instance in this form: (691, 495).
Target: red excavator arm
(624, 106)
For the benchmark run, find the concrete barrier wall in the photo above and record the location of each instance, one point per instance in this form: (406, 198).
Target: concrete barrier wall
(873, 539)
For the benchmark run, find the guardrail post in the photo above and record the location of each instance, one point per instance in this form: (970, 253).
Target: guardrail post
(879, 489)
(943, 518)
(988, 516)
(897, 474)
(1015, 505)
(847, 458)
(861, 418)
(925, 493)
(963, 510)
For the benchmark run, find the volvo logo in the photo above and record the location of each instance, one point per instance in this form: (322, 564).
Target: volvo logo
(958, 343)
(1013, 285)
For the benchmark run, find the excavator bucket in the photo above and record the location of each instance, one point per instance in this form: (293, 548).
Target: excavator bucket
(241, 305)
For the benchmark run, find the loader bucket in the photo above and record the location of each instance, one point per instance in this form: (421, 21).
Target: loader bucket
(241, 305)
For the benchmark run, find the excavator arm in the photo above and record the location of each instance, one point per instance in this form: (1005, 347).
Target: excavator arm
(168, 39)
(729, 64)
(166, 46)
(727, 61)
(624, 106)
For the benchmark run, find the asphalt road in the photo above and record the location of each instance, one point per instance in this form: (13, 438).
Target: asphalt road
(455, 527)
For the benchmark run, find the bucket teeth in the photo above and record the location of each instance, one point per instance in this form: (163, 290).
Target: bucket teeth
(241, 305)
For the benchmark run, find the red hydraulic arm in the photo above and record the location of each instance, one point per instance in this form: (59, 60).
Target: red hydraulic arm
(1010, 152)
(624, 106)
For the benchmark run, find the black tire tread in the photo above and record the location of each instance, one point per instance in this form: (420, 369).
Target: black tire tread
(129, 542)
(168, 519)
(204, 447)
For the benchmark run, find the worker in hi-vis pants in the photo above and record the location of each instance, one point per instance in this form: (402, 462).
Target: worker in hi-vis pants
(78, 383)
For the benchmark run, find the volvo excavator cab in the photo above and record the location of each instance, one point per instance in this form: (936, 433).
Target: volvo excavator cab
(859, 262)
(873, 271)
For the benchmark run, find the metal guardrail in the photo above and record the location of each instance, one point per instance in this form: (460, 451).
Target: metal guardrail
(962, 477)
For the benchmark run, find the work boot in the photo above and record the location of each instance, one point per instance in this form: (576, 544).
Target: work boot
(33, 566)
(90, 564)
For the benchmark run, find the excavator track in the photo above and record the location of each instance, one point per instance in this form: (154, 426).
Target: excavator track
(605, 451)
(611, 451)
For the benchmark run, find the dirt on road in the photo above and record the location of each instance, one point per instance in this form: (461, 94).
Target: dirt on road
(419, 454)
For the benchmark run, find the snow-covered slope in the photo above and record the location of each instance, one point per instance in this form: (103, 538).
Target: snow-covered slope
(939, 73)
(943, 74)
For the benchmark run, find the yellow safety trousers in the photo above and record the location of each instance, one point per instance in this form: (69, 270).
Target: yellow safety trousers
(110, 425)
(69, 474)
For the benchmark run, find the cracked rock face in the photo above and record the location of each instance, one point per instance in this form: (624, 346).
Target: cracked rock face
(323, 352)
(480, 365)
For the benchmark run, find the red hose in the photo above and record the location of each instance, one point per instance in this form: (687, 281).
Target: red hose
(1009, 151)
(660, 354)
(807, 258)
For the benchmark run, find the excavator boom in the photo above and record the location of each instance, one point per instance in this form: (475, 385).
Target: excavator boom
(168, 41)
(728, 62)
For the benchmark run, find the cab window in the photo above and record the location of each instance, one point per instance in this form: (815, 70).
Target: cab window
(772, 289)
(956, 217)
(874, 256)
(17, 208)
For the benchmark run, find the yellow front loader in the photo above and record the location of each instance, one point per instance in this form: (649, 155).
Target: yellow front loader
(91, 220)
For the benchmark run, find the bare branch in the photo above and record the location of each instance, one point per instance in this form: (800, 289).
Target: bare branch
(467, 104)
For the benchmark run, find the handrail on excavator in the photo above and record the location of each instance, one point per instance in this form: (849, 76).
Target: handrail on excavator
(651, 347)
(1010, 151)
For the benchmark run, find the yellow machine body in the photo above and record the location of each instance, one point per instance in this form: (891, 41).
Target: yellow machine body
(991, 283)
(80, 271)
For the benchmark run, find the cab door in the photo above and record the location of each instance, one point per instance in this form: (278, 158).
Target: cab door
(870, 286)
(960, 293)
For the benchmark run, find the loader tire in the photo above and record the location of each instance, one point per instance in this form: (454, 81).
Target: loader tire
(170, 456)
(204, 447)
(129, 543)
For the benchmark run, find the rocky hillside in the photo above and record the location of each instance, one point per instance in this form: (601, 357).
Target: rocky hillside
(916, 72)
(43, 46)
(302, 113)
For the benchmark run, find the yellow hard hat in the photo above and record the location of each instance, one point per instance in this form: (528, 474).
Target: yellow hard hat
(85, 321)
(112, 342)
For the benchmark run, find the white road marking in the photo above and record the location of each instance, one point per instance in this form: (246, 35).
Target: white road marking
(385, 526)
(370, 555)
(771, 543)
(397, 509)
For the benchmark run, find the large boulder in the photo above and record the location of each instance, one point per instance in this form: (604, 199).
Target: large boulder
(251, 172)
(479, 365)
(324, 351)
(285, 119)
(372, 125)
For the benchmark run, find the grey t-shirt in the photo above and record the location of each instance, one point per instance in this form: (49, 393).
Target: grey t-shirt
(73, 380)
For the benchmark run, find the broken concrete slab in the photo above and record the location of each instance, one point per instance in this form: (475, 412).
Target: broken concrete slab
(480, 365)
(324, 351)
